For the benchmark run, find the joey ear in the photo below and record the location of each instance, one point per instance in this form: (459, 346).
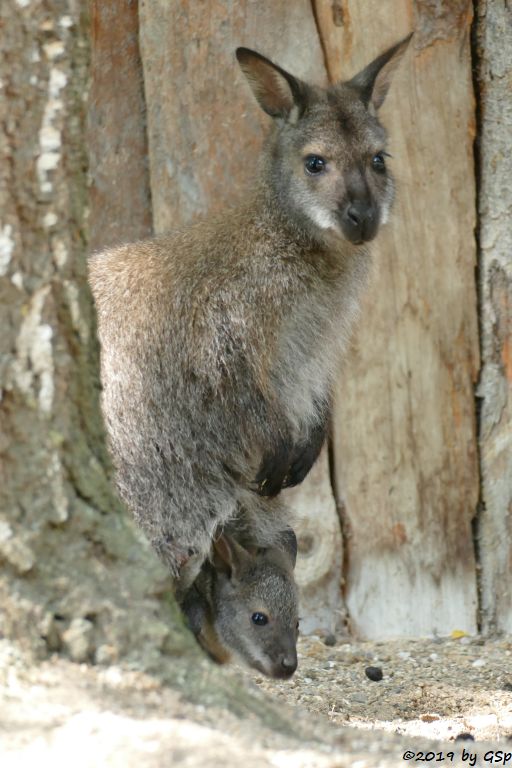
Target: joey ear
(374, 80)
(276, 91)
(229, 556)
(289, 544)
(285, 548)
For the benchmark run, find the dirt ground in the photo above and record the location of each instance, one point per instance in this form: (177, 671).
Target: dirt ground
(434, 689)
(60, 714)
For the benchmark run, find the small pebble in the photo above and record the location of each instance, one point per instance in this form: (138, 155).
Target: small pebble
(479, 663)
(465, 737)
(374, 673)
(330, 640)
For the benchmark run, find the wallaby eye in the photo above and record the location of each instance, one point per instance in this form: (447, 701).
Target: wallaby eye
(260, 619)
(378, 162)
(314, 164)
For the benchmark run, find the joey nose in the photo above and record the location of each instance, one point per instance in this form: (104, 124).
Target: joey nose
(288, 664)
(359, 221)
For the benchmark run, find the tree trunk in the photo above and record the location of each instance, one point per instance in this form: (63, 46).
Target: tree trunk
(494, 78)
(75, 575)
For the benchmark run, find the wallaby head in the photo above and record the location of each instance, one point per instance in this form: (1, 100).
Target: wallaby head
(326, 162)
(255, 603)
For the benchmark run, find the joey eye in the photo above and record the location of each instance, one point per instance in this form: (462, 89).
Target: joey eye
(378, 162)
(314, 164)
(260, 619)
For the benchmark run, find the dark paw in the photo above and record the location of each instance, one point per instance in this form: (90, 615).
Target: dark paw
(270, 479)
(304, 456)
(299, 469)
(273, 470)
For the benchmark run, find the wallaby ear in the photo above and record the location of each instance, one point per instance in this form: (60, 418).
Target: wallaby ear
(229, 556)
(374, 80)
(276, 91)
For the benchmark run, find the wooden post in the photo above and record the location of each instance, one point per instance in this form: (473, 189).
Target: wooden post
(120, 197)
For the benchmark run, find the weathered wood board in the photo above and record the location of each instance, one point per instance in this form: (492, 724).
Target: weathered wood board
(320, 551)
(494, 36)
(120, 197)
(204, 133)
(404, 434)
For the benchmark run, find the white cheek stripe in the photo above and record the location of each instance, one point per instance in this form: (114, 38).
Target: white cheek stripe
(322, 217)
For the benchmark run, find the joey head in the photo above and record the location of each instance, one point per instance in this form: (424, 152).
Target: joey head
(244, 605)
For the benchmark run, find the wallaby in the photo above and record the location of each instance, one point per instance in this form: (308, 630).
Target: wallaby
(221, 341)
(244, 604)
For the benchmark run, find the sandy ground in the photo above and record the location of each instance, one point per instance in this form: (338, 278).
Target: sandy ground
(61, 714)
(434, 689)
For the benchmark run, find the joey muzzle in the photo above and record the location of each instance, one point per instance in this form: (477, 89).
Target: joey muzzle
(286, 665)
(281, 667)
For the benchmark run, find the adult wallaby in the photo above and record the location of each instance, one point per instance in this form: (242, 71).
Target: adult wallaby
(244, 604)
(221, 341)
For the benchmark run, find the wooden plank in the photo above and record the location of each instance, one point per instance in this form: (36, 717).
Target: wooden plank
(320, 557)
(204, 127)
(494, 35)
(119, 192)
(204, 131)
(404, 434)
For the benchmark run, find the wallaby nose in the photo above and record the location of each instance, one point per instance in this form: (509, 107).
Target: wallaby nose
(359, 221)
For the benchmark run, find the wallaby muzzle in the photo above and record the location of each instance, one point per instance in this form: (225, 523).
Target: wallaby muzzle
(359, 221)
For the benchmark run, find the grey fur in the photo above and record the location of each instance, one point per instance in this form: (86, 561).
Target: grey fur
(233, 585)
(222, 340)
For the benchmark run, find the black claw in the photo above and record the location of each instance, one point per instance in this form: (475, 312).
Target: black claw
(288, 464)
(304, 456)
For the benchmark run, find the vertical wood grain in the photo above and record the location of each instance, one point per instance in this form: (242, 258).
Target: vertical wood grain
(120, 197)
(404, 433)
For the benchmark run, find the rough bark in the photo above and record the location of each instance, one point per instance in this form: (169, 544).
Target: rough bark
(405, 448)
(494, 83)
(75, 576)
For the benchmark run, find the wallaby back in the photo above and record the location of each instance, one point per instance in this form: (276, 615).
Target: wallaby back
(221, 342)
